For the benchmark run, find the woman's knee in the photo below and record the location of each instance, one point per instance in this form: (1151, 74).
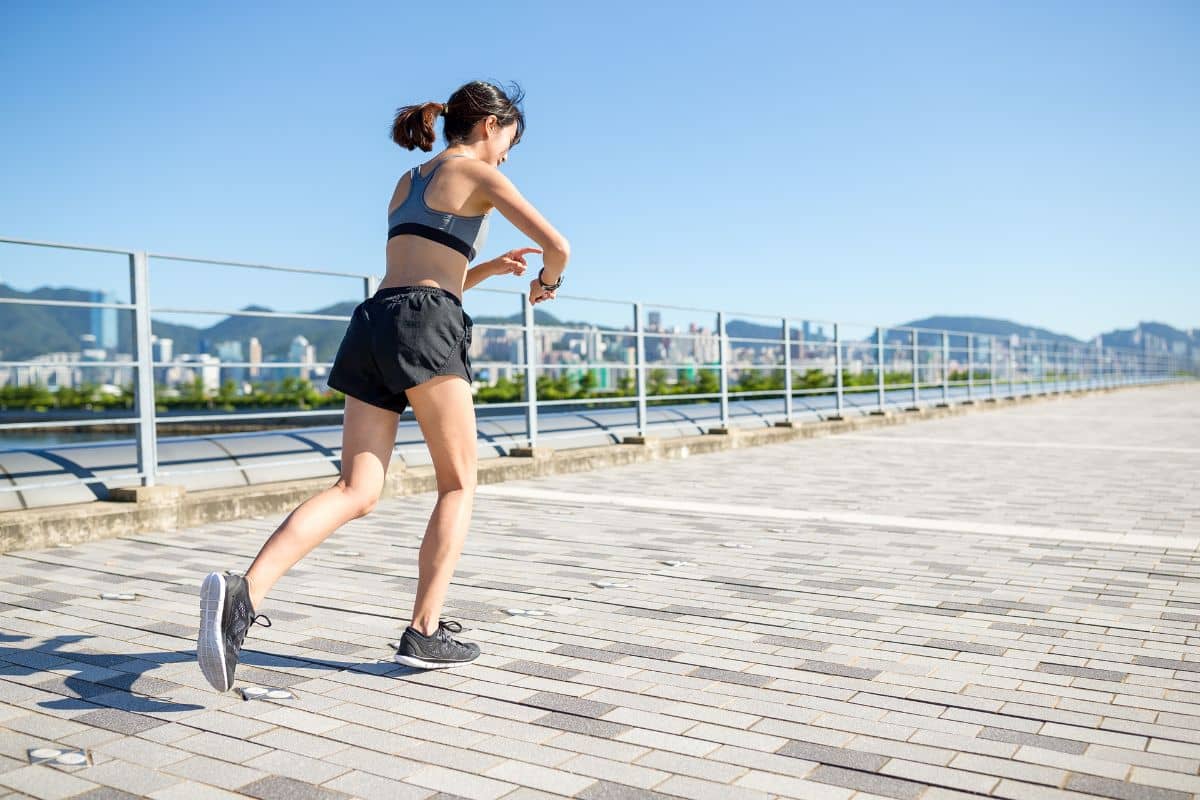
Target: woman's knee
(464, 483)
(361, 501)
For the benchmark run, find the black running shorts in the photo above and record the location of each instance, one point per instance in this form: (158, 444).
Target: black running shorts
(398, 338)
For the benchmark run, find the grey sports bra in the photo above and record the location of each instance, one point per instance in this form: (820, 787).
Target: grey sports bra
(464, 234)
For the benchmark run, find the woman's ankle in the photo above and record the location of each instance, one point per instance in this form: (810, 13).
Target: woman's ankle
(432, 629)
(255, 599)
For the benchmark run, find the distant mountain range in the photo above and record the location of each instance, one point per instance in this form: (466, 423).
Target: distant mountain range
(27, 331)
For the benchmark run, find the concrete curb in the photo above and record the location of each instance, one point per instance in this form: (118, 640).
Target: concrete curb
(166, 508)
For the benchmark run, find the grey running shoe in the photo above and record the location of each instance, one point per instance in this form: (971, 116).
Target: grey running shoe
(437, 651)
(225, 615)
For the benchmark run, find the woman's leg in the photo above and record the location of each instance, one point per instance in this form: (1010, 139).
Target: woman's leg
(368, 436)
(445, 411)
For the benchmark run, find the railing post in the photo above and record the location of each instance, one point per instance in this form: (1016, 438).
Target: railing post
(970, 367)
(945, 368)
(1042, 368)
(530, 373)
(639, 366)
(879, 361)
(992, 364)
(916, 370)
(1012, 370)
(837, 368)
(787, 371)
(147, 440)
(721, 345)
(370, 284)
(1027, 367)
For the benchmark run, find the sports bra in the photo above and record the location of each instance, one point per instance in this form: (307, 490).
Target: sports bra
(464, 234)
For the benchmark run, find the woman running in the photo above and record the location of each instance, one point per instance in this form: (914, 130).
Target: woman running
(407, 345)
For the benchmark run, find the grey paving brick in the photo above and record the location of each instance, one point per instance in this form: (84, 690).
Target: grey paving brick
(577, 724)
(868, 782)
(566, 703)
(106, 793)
(730, 676)
(836, 756)
(840, 614)
(542, 670)
(793, 642)
(1167, 663)
(1107, 787)
(659, 653)
(1034, 740)
(1081, 672)
(965, 647)
(831, 668)
(607, 790)
(590, 653)
(114, 719)
(278, 787)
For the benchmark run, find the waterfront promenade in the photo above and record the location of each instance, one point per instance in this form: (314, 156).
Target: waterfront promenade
(1004, 603)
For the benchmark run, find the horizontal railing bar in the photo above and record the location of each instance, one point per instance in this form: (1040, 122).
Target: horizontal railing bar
(25, 301)
(61, 246)
(17, 426)
(167, 419)
(281, 314)
(272, 267)
(123, 364)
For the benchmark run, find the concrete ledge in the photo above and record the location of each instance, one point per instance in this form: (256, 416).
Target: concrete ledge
(164, 508)
(531, 452)
(147, 495)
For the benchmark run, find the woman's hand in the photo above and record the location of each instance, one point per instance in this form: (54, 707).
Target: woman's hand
(513, 261)
(537, 294)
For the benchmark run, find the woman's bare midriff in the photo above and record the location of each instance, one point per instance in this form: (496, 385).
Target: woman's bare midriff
(415, 261)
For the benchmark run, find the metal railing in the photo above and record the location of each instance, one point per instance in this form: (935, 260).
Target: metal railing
(923, 356)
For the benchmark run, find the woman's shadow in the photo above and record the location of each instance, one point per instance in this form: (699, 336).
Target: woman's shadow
(120, 680)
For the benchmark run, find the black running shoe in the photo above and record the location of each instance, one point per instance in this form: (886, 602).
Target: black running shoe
(437, 651)
(226, 613)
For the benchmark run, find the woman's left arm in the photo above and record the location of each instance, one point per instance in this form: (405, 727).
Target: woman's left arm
(479, 273)
(513, 261)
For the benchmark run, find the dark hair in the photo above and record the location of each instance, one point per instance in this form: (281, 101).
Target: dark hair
(471, 102)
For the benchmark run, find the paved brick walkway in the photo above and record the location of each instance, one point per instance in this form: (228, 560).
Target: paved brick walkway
(1000, 604)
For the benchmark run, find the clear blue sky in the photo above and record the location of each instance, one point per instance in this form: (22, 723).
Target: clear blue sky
(869, 162)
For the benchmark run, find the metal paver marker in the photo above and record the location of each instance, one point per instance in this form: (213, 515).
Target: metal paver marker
(264, 693)
(58, 757)
(528, 612)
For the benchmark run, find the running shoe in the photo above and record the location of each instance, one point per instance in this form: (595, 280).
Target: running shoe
(226, 613)
(437, 651)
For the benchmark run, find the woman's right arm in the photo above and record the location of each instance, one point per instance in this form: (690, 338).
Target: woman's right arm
(503, 196)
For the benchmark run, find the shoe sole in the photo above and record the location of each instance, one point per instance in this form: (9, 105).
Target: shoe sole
(420, 663)
(210, 645)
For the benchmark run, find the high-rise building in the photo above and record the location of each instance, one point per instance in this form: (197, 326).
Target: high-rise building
(255, 356)
(202, 365)
(303, 353)
(103, 321)
(161, 349)
(231, 351)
